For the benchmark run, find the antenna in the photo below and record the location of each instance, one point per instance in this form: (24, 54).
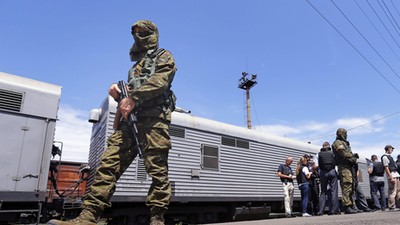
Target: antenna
(246, 84)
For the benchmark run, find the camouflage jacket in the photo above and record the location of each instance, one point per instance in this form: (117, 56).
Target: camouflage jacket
(343, 153)
(150, 96)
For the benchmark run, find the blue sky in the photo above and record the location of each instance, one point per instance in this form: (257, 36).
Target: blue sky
(311, 81)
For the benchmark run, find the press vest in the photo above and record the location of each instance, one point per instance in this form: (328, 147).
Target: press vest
(326, 160)
(301, 177)
(339, 159)
(392, 165)
(378, 169)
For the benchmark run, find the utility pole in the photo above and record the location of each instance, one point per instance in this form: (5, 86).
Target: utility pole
(246, 84)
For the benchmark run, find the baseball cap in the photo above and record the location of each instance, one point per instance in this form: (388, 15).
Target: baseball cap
(388, 146)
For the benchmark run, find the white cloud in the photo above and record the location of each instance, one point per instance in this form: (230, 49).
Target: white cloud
(73, 130)
(360, 125)
(359, 129)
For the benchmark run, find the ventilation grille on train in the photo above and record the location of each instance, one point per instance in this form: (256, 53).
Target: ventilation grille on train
(177, 132)
(10, 100)
(234, 142)
(141, 170)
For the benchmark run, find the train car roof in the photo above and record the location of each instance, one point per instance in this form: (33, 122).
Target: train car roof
(194, 122)
(30, 97)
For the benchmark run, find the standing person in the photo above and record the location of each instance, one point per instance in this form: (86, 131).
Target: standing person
(328, 176)
(393, 177)
(286, 174)
(346, 161)
(149, 83)
(398, 161)
(361, 203)
(376, 170)
(313, 199)
(303, 176)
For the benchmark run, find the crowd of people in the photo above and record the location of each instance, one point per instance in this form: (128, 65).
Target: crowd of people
(318, 179)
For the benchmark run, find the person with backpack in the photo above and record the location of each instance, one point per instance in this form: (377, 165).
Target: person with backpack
(393, 177)
(376, 172)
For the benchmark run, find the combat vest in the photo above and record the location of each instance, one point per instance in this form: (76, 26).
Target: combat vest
(137, 78)
(301, 177)
(286, 171)
(378, 169)
(326, 160)
(392, 165)
(339, 159)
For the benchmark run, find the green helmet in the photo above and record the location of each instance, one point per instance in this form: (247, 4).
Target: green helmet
(145, 40)
(341, 134)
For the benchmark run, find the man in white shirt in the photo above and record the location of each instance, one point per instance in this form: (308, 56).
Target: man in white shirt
(393, 176)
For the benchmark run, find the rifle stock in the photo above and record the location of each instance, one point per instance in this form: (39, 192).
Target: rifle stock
(132, 120)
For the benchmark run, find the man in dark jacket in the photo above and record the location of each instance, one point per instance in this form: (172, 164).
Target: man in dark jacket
(376, 172)
(327, 175)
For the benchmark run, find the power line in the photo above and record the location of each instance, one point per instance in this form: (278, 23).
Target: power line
(365, 39)
(391, 15)
(377, 30)
(384, 25)
(388, 18)
(395, 8)
(333, 26)
(353, 128)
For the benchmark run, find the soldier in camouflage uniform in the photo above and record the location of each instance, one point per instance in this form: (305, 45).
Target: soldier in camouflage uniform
(346, 161)
(149, 83)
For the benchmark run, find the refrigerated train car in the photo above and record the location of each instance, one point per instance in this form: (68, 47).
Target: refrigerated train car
(219, 172)
(28, 114)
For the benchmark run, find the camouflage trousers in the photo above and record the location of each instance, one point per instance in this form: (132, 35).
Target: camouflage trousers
(117, 158)
(347, 185)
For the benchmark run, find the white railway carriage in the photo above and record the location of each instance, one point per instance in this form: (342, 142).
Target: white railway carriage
(218, 171)
(28, 114)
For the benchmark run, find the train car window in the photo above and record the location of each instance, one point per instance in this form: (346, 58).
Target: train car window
(10, 100)
(209, 157)
(177, 132)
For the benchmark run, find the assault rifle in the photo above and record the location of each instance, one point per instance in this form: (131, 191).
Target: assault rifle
(132, 120)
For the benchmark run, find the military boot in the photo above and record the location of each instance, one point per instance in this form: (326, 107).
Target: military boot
(350, 210)
(157, 220)
(86, 217)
